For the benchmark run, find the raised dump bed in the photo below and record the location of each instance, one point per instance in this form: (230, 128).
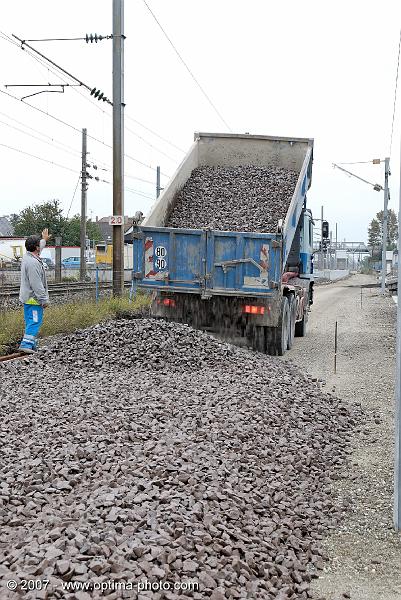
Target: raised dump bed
(232, 230)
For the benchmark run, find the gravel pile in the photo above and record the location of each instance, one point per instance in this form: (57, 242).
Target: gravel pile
(145, 450)
(243, 198)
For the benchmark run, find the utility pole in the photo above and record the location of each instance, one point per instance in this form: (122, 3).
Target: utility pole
(118, 145)
(336, 250)
(397, 452)
(384, 249)
(82, 264)
(321, 237)
(158, 188)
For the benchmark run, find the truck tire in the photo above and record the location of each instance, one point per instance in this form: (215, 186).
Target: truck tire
(293, 315)
(259, 339)
(300, 327)
(282, 328)
(270, 335)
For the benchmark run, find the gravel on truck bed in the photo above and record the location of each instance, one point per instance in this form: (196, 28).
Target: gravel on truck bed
(243, 198)
(146, 450)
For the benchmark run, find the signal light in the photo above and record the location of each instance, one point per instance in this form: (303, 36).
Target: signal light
(253, 309)
(325, 229)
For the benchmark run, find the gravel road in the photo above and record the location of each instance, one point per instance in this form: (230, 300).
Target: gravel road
(365, 552)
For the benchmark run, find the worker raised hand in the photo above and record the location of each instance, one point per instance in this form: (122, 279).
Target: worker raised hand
(45, 234)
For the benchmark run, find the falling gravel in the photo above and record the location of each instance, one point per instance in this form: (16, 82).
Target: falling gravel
(147, 451)
(243, 198)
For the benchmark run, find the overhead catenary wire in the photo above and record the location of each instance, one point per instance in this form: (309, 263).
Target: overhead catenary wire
(38, 157)
(75, 191)
(38, 138)
(56, 72)
(132, 190)
(395, 95)
(47, 114)
(98, 106)
(85, 85)
(187, 67)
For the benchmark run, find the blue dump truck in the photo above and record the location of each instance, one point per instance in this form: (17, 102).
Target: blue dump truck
(254, 287)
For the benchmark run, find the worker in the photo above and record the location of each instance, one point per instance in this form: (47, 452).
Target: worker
(34, 294)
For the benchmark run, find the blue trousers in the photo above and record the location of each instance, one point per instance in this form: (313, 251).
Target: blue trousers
(33, 315)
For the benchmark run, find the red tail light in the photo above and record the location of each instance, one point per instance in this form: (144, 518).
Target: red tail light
(253, 309)
(169, 302)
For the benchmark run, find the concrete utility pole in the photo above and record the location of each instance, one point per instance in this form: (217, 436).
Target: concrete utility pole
(158, 188)
(384, 249)
(82, 265)
(57, 271)
(397, 453)
(118, 145)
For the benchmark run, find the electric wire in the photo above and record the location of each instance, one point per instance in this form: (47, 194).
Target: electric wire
(154, 133)
(186, 66)
(38, 158)
(96, 104)
(73, 150)
(37, 138)
(395, 95)
(78, 130)
(55, 71)
(75, 191)
(132, 190)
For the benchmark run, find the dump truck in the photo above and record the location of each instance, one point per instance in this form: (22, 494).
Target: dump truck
(251, 285)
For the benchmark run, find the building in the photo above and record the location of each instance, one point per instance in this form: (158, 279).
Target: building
(6, 229)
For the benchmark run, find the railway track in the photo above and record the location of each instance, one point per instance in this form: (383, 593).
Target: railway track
(11, 291)
(13, 356)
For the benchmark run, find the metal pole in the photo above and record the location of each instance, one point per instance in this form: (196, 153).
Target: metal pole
(158, 188)
(57, 259)
(335, 348)
(397, 452)
(321, 237)
(384, 249)
(118, 144)
(336, 249)
(82, 264)
(97, 283)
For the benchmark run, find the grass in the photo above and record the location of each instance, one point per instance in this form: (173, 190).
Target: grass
(68, 317)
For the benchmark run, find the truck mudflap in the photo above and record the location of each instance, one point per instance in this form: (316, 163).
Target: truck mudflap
(206, 262)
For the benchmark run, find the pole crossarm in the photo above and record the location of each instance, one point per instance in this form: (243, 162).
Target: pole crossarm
(376, 186)
(85, 85)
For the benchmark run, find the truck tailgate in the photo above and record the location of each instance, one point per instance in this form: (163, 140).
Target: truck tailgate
(206, 262)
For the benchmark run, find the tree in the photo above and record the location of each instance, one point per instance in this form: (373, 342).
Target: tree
(72, 231)
(34, 219)
(375, 231)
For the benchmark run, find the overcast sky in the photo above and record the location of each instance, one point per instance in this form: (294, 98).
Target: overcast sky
(289, 68)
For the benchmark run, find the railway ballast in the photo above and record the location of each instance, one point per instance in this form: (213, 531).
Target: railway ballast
(145, 449)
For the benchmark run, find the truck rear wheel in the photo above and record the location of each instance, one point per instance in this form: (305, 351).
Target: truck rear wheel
(300, 327)
(277, 337)
(259, 339)
(292, 316)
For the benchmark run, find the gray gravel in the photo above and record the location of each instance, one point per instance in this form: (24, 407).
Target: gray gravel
(243, 198)
(145, 449)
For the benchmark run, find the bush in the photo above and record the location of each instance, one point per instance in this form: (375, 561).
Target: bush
(68, 317)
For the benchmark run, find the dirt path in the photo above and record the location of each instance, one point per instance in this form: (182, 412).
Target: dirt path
(364, 551)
